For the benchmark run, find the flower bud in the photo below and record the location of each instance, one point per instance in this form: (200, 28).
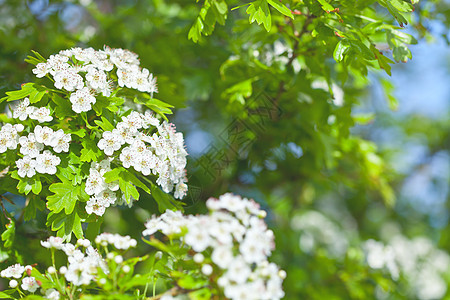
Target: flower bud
(13, 284)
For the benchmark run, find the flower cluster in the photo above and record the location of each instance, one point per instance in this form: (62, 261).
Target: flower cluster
(161, 153)
(232, 241)
(85, 265)
(417, 260)
(102, 194)
(23, 110)
(34, 160)
(86, 72)
(29, 283)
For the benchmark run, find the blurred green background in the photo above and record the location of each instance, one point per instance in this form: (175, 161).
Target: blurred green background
(354, 173)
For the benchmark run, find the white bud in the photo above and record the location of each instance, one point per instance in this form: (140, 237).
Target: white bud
(110, 255)
(51, 270)
(158, 255)
(198, 258)
(102, 281)
(126, 269)
(118, 259)
(282, 274)
(207, 269)
(13, 283)
(63, 270)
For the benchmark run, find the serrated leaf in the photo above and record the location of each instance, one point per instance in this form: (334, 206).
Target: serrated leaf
(65, 197)
(112, 175)
(128, 176)
(128, 190)
(259, 11)
(281, 8)
(90, 151)
(341, 49)
(104, 124)
(66, 224)
(325, 5)
(63, 106)
(165, 201)
(196, 30)
(402, 5)
(9, 234)
(25, 90)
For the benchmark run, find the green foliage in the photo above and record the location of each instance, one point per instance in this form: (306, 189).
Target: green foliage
(305, 147)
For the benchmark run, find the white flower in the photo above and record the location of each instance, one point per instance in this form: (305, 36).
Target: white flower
(42, 114)
(30, 146)
(29, 284)
(81, 100)
(110, 143)
(26, 166)
(78, 274)
(106, 198)
(47, 162)
(127, 157)
(133, 121)
(52, 294)
(41, 70)
(68, 79)
(20, 111)
(9, 137)
(93, 206)
(145, 163)
(53, 242)
(60, 141)
(238, 270)
(95, 183)
(198, 238)
(96, 78)
(15, 271)
(84, 242)
(43, 135)
(222, 256)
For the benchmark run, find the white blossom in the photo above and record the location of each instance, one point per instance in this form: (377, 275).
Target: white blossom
(47, 162)
(26, 166)
(14, 271)
(81, 100)
(29, 284)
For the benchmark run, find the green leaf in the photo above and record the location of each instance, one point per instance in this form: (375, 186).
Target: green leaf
(340, 50)
(326, 6)
(165, 201)
(202, 294)
(5, 296)
(281, 8)
(30, 210)
(26, 90)
(259, 11)
(25, 185)
(36, 187)
(196, 30)
(113, 175)
(362, 49)
(65, 197)
(90, 151)
(128, 176)
(63, 106)
(363, 119)
(66, 224)
(128, 190)
(402, 5)
(402, 53)
(9, 234)
(104, 124)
